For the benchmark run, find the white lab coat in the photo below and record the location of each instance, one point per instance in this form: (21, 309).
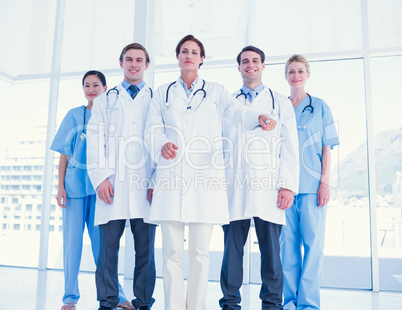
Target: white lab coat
(262, 162)
(123, 160)
(191, 187)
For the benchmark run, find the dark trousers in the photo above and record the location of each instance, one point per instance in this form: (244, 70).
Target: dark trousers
(144, 270)
(235, 237)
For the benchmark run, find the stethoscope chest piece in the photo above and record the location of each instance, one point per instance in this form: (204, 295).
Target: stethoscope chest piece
(83, 136)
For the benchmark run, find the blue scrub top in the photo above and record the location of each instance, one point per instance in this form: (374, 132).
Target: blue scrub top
(68, 142)
(320, 131)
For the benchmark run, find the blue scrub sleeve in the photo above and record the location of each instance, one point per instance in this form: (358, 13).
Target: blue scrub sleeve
(63, 141)
(330, 135)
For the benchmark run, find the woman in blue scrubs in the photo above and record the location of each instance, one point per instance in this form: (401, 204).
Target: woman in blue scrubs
(75, 192)
(302, 239)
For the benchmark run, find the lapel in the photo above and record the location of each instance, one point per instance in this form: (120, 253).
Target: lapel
(123, 93)
(179, 91)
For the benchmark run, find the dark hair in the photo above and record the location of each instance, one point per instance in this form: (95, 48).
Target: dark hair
(99, 74)
(190, 37)
(135, 46)
(251, 48)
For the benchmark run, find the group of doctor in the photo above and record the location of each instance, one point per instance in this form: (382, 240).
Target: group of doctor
(121, 164)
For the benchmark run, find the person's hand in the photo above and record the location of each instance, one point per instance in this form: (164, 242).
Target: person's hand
(266, 122)
(323, 195)
(61, 197)
(285, 199)
(149, 195)
(105, 191)
(168, 150)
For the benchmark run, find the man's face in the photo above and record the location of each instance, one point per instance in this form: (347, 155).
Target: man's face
(134, 65)
(251, 67)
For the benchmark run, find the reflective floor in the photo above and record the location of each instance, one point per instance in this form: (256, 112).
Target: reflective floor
(30, 289)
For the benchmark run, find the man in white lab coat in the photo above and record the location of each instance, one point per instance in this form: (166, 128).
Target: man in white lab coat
(262, 170)
(120, 171)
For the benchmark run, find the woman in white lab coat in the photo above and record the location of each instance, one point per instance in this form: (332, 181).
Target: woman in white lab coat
(184, 137)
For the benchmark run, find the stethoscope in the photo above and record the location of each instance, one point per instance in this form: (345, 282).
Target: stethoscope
(245, 97)
(110, 108)
(114, 89)
(167, 104)
(308, 107)
(83, 136)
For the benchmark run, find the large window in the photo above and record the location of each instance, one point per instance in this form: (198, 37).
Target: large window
(95, 33)
(388, 160)
(23, 134)
(355, 52)
(220, 25)
(288, 27)
(385, 23)
(27, 30)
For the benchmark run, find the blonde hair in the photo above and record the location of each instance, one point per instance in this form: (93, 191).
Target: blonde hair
(297, 58)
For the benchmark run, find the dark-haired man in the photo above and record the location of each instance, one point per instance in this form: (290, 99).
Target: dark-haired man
(263, 177)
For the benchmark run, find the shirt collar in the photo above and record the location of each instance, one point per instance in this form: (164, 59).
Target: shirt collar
(258, 89)
(185, 86)
(126, 84)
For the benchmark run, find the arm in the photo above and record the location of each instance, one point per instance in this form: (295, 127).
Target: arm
(329, 140)
(62, 143)
(61, 191)
(267, 123)
(154, 136)
(97, 164)
(250, 119)
(289, 156)
(323, 193)
(105, 191)
(285, 198)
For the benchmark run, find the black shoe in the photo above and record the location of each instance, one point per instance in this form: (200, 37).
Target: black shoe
(106, 308)
(144, 308)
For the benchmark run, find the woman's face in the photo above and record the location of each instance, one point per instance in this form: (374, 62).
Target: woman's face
(190, 56)
(93, 88)
(297, 74)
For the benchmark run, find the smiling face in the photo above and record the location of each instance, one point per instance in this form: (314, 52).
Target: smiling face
(93, 88)
(297, 74)
(134, 65)
(190, 56)
(251, 68)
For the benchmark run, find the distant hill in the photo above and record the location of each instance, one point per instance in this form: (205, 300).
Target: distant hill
(388, 159)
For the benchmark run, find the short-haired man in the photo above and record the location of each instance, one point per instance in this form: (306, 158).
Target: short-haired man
(119, 171)
(263, 175)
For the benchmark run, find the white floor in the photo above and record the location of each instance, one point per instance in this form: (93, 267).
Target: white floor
(30, 289)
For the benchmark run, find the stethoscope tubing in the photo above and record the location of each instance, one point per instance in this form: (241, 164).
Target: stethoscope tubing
(245, 97)
(167, 105)
(311, 109)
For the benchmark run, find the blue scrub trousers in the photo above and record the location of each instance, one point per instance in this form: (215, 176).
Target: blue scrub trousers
(305, 228)
(144, 270)
(79, 211)
(235, 237)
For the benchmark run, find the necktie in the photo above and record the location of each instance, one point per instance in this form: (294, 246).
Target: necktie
(252, 94)
(134, 90)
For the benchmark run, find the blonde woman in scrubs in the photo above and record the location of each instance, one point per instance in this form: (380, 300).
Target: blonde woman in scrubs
(75, 193)
(305, 219)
